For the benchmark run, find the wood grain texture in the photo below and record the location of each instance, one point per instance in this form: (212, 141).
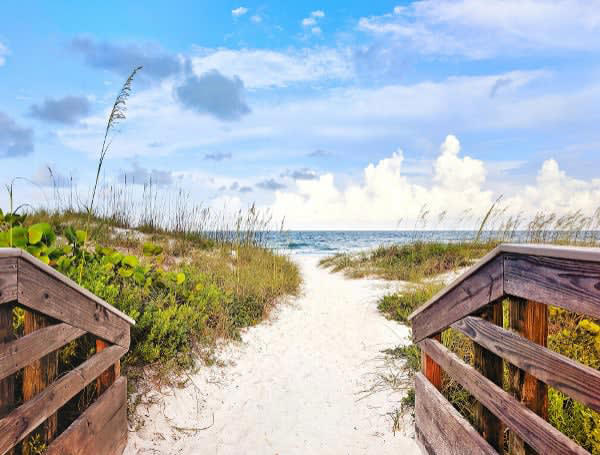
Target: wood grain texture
(24, 419)
(22, 351)
(542, 436)
(46, 294)
(37, 375)
(530, 320)
(570, 377)
(15, 253)
(101, 429)
(105, 380)
(444, 430)
(471, 294)
(567, 283)
(431, 370)
(7, 383)
(491, 366)
(8, 279)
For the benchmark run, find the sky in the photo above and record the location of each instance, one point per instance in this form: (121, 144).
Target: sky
(332, 115)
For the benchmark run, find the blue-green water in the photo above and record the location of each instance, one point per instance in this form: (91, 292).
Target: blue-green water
(330, 242)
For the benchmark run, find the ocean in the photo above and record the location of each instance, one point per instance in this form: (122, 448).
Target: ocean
(331, 242)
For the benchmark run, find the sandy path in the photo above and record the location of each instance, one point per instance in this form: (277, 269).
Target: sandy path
(292, 386)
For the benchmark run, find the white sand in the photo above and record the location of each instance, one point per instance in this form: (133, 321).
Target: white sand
(293, 385)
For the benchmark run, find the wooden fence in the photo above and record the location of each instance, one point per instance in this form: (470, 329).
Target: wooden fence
(56, 312)
(531, 277)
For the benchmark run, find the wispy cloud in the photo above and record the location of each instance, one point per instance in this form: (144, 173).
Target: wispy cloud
(271, 185)
(217, 156)
(260, 68)
(49, 176)
(3, 53)
(256, 18)
(477, 30)
(319, 154)
(240, 11)
(15, 140)
(139, 175)
(300, 174)
(121, 58)
(311, 21)
(68, 110)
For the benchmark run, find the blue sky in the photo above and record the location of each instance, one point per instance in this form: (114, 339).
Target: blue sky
(333, 114)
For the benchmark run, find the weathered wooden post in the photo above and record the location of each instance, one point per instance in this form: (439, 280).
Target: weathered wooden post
(431, 370)
(530, 320)
(491, 366)
(7, 385)
(108, 377)
(36, 377)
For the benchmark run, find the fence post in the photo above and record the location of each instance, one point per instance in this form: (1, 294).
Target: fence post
(36, 377)
(7, 385)
(431, 370)
(530, 320)
(106, 379)
(491, 366)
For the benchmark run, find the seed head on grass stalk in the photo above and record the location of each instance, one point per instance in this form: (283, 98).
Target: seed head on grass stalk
(116, 115)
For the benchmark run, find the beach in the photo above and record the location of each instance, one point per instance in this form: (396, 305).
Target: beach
(298, 383)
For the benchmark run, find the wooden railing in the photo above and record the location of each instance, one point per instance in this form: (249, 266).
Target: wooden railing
(530, 277)
(56, 312)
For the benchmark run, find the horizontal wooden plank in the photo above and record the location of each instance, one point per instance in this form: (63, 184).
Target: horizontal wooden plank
(47, 294)
(16, 253)
(20, 422)
(567, 283)
(472, 293)
(22, 351)
(443, 430)
(100, 429)
(576, 253)
(538, 433)
(576, 380)
(8, 279)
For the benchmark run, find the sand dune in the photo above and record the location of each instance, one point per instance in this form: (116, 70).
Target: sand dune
(293, 386)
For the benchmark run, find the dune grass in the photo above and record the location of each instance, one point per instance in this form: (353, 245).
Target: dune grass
(409, 262)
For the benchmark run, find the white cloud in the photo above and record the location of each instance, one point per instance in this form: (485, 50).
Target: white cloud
(256, 19)
(478, 29)
(311, 21)
(3, 54)
(239, 11)
(263, 68)
(385, 195)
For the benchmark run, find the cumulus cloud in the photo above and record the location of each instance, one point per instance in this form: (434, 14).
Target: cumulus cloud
(217, 156)
(237, 12)
(68, 110)
(122, 58)
(476, 29)
(271, 185)
(3, 54)
(387, 195)
(214, 94)
(308, 21)
(15, 140)
(318, 13)
(139, 175)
